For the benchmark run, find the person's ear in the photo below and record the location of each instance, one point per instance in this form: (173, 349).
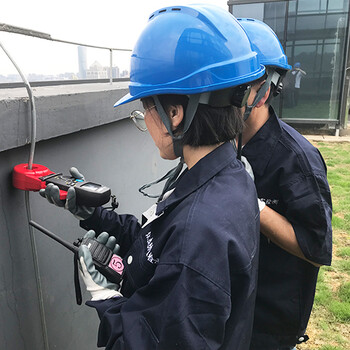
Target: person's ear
(176, 115)
(263, 100)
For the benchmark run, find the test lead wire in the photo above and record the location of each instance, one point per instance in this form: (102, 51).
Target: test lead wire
(27, 202)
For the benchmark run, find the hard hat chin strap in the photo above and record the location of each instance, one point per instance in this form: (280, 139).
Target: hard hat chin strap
(214, 98)
(272, 77)
(188, 118)
(172, 175)
(236, 96)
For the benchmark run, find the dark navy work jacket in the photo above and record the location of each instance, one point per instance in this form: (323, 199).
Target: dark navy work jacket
(190, 274)
(290, 176)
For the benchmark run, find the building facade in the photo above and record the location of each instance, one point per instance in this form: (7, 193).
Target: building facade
(315, 36)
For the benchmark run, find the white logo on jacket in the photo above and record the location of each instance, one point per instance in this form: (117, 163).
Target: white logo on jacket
(149, 254)
(270, 201)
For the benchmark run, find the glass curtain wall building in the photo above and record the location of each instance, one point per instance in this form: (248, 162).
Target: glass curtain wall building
(315, 36)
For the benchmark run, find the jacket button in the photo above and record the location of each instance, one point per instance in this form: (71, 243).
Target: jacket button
(129, 261)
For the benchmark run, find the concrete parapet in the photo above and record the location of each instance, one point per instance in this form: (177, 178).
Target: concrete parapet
(61, 110)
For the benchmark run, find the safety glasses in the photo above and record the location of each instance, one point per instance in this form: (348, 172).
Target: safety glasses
(139, 118)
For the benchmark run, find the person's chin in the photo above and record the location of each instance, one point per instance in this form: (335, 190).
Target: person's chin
(167, 156)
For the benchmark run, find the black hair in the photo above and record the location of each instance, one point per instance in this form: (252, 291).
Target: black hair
(210, 125)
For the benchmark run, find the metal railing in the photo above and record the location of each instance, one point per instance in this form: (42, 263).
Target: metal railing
(33, 33)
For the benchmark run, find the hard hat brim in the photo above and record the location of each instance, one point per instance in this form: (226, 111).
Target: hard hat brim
(154, 90)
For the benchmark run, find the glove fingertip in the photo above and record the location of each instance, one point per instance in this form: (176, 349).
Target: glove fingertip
(103, 237)
(76, 173)
(71, 194)
(90, 234)
(116, 249)
(70, 203)
(71, 190)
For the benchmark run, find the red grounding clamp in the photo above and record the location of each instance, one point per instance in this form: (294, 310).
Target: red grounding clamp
(29, 179)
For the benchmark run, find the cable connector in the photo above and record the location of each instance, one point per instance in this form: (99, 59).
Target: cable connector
(114, 203)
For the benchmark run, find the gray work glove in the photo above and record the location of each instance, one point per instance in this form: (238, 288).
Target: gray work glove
(52, 194)
(97, 284)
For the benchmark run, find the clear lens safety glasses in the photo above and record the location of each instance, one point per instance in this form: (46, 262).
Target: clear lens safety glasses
(139, 119)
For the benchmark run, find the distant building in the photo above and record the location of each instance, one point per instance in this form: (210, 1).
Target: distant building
(124, 74)
(82, 62)
(67, 76)
(10, 78)
(41, 77)
(115, 72)
(96, 71)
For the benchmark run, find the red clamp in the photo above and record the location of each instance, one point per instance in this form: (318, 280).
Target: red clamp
(32, 179)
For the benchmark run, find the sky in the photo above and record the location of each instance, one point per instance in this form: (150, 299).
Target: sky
(110, 23)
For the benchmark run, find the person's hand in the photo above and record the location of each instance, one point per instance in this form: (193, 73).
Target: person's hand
(261, 204)
(97, 284)
(52, 194)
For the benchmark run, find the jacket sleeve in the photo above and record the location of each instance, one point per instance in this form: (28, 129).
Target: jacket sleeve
(177, 309)
(124, 227)
(309, 210)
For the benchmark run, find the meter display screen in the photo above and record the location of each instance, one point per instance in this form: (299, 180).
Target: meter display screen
(91, 186)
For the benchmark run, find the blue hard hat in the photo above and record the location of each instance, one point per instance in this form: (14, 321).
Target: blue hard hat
(265, 43)
(189, 50)
(297, 65)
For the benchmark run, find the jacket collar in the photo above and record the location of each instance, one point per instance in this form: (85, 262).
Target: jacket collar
(205, 169)
(259, 148)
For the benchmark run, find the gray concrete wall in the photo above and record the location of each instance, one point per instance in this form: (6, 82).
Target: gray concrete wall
(61, 110)
(78, 128)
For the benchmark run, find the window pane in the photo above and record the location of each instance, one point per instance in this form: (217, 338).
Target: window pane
(336, 5)
(305, 23)
(249, 11)
(277, 25)
(336, 22)
(323, 5)
(315, 39)
(275, 10)
(318, 45)
(309, 6)
(292, 7)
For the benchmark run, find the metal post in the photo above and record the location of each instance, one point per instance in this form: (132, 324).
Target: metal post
(344, 91)
(110, 66)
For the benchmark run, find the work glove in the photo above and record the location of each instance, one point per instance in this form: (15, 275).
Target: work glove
(52, 194)
(97, 284)
(249, 170)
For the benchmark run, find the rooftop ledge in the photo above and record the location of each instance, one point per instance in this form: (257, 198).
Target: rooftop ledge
(61, 110)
